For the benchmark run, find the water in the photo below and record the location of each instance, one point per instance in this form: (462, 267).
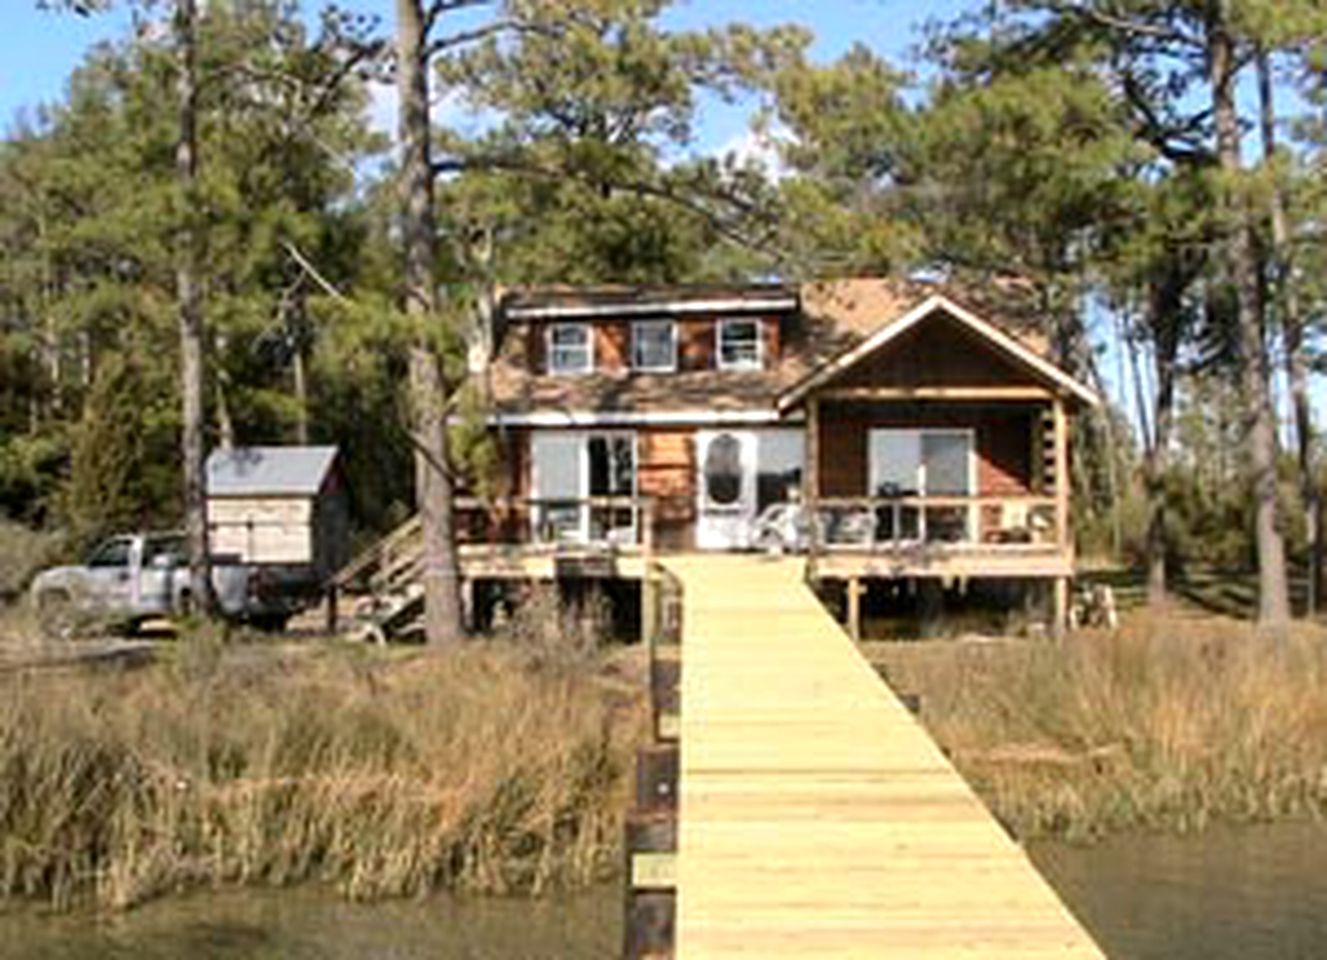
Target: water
(308, 923)
(1253, 893)
(1249, 893)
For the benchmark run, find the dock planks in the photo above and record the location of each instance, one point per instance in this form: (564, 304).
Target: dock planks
(818, 818)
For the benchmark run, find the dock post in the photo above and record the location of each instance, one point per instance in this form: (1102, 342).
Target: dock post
(333, 602)
(1060, 608)
(855, 609)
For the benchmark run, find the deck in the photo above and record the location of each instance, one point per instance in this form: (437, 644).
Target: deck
(818, 819)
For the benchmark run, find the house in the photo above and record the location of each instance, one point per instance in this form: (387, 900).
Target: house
(926, 431)
(280, 506)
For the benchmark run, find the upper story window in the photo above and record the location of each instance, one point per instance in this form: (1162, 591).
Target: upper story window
(654, 345)
(570, 348)
(739, 345)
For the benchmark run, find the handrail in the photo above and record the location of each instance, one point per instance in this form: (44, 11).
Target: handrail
(918, 500)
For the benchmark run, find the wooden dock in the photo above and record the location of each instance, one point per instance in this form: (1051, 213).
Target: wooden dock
(818, 818)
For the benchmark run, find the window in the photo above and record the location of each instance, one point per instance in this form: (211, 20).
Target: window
(164, 552)
(569, 348)
(921, 464)
(112, 553)
(739, 345)
(654, 345)
(723, 471)
(571, 467)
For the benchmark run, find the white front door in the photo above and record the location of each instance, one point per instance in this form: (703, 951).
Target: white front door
(725, 488)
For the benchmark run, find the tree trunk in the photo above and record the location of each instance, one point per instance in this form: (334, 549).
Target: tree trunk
(441, 579)
(1273, 595)
(298, 370)
(1165, 304)
(225, 422)
(188, 258)
(1292, 327)
(301, 389)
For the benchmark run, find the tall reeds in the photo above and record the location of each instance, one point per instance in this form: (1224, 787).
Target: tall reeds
(382, 774)
(1164, 724)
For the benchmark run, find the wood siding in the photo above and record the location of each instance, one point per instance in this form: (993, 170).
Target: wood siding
(276, 530)
(1004, 447)
(939, 352)
(667, 472)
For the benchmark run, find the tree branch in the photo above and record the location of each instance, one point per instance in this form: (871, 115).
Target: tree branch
(313, 273)
(511, 163)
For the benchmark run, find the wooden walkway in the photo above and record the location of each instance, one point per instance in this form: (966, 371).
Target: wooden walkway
(818, 818)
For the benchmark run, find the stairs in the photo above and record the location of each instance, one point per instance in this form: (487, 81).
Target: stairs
(378, 594)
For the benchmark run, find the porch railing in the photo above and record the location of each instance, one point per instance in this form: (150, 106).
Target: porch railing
(889, 523)
(617, 522)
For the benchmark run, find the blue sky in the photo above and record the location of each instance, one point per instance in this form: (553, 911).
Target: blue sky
(40, 48)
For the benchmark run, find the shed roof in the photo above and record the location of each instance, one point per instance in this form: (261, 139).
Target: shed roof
(268, 471)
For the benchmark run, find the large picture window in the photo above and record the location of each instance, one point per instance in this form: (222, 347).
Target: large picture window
(911, 464)
(569, 348)
(654, 345)
(739, 345)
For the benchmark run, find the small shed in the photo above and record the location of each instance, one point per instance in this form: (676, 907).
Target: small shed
(279, 505)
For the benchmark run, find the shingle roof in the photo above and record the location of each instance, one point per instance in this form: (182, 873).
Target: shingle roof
(268, 471)
(833, 316)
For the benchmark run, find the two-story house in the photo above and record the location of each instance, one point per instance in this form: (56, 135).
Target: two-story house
(919, 434)
(892, 431)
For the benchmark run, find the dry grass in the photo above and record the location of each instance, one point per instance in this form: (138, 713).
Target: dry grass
(385, 774)
(23, 552)
(1166, 723)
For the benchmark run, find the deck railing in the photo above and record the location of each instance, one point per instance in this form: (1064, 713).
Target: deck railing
(625, 523)
(908, 521)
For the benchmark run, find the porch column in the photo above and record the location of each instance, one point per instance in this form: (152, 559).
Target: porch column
(1060, 604)
(812, 479)
(1061, 427)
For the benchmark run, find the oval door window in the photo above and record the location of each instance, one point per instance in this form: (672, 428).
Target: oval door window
(723, 470)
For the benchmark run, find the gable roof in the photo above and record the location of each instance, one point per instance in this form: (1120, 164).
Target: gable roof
(934, 304)
(268, 471)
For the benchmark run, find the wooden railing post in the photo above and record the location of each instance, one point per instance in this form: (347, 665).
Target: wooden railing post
(1061, 427)
(812, 483)
(1060, 601)
(649, 589)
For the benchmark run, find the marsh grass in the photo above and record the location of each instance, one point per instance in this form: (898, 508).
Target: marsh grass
(1167, 723)
(387, 774)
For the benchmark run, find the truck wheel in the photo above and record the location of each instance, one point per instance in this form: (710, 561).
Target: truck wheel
(56, 615)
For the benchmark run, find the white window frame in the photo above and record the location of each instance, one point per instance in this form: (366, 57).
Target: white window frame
(758, 363)
(922, 486)
(550, 352)
(671, 366)
(582, 440)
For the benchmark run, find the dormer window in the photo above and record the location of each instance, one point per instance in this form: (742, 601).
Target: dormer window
(739, 345)
(654, 346)
(570, 348)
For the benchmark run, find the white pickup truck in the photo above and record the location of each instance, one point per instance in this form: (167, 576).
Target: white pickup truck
(130, 579)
